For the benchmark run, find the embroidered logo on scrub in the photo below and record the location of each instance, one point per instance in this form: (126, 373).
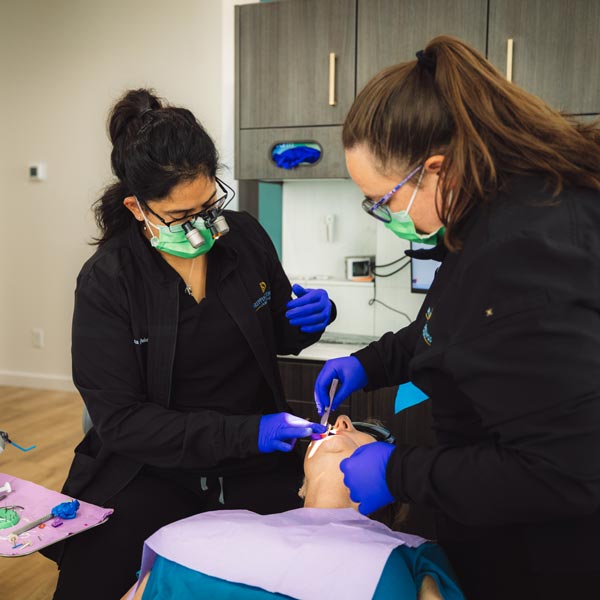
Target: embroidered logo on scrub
(426, 335)
(140, 341)
(265, 297)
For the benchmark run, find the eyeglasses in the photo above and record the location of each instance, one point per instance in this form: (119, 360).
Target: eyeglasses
(377, 209)
(381, 434)
(227, 195)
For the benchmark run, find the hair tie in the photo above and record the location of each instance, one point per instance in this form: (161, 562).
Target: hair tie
(146, 110)
(426, 61)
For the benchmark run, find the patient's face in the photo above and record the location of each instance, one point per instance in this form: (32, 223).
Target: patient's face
(324, 456)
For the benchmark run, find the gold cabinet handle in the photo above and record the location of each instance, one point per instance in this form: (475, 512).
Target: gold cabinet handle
(509, 59)
(332, 101)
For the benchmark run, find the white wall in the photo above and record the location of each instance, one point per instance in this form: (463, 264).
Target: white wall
(307, 253)
(305, 248)
(63, 63)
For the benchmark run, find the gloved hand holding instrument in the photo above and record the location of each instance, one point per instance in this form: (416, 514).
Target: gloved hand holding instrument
(279, 432)
(351, 376)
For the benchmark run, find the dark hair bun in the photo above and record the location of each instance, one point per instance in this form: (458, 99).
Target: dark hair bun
(127, 111)
(126, 120)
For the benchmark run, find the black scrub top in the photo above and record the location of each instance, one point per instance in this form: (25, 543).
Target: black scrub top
(214, 367)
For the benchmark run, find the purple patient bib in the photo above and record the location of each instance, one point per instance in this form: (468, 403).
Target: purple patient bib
(294, 553)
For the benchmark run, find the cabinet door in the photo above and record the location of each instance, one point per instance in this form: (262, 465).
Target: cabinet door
(284, 62)
(556, 52)
(253, 156)
(392, 31)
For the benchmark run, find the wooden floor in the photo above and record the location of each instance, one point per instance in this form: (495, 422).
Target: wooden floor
(52, 422)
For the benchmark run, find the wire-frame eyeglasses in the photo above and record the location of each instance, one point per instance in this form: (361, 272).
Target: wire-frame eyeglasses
(378, 209)
(227, 194)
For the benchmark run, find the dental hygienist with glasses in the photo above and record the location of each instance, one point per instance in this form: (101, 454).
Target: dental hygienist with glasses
(507, 342)
(179, 318)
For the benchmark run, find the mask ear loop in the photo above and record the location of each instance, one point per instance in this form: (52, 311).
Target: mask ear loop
(414, 194)
(153, 239)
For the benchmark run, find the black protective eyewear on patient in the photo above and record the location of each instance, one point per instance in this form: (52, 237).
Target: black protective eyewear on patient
(380, 433)
(219, 204)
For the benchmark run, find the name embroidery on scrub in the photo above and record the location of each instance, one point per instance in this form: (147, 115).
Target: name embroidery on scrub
(140, 341)
(264, 299)
(426, 335)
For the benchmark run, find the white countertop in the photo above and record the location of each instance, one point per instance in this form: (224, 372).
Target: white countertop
(332, 347)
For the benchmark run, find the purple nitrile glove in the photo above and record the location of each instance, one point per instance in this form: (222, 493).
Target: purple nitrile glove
(351, 376)
(364, 476)
(311, 310)
(281, 430)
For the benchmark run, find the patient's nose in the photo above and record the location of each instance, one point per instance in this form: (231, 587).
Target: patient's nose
(343, 422)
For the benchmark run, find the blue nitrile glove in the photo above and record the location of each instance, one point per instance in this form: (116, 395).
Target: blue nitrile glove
(280, 431)
(292, 157)
(364, 476)
(311, 310)
(351, 376)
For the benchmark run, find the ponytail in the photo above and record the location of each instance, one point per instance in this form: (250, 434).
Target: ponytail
(112, 217)
(452, 101)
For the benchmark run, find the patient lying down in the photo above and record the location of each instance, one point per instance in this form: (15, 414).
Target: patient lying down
(299, 553)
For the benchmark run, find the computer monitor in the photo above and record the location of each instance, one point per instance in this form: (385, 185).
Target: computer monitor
(422, 272)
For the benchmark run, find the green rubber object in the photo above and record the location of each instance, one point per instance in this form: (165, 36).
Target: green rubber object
(8, 518)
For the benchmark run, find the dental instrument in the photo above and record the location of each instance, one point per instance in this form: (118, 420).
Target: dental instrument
(332, 391)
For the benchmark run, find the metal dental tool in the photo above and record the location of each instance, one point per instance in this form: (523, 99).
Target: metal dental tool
(332, 390)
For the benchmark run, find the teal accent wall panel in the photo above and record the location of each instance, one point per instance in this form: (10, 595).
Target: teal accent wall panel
(270, 211)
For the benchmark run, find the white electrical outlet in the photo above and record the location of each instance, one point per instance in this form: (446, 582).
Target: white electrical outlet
(37, 337)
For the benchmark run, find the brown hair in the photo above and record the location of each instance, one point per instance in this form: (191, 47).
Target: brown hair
(454, 102)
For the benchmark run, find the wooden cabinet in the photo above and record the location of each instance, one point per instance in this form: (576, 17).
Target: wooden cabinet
(295, 82)
(283, 72)
(392, 31)
(555, 54)
(286, 88)
(254, 148)
(284, 51)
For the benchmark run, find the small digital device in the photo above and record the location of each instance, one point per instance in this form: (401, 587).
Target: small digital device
(358, 268)
(422, 271)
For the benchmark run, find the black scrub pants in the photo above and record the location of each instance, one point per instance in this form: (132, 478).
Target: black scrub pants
(101, 564)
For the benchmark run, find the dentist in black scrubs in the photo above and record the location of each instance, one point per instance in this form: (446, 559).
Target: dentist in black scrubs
(507, 343)
(179, 317)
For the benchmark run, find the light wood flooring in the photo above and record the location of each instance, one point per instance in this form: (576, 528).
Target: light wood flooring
(51, 421)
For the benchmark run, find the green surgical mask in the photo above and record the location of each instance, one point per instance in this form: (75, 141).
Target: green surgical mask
(404, 227)
(172, 240)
